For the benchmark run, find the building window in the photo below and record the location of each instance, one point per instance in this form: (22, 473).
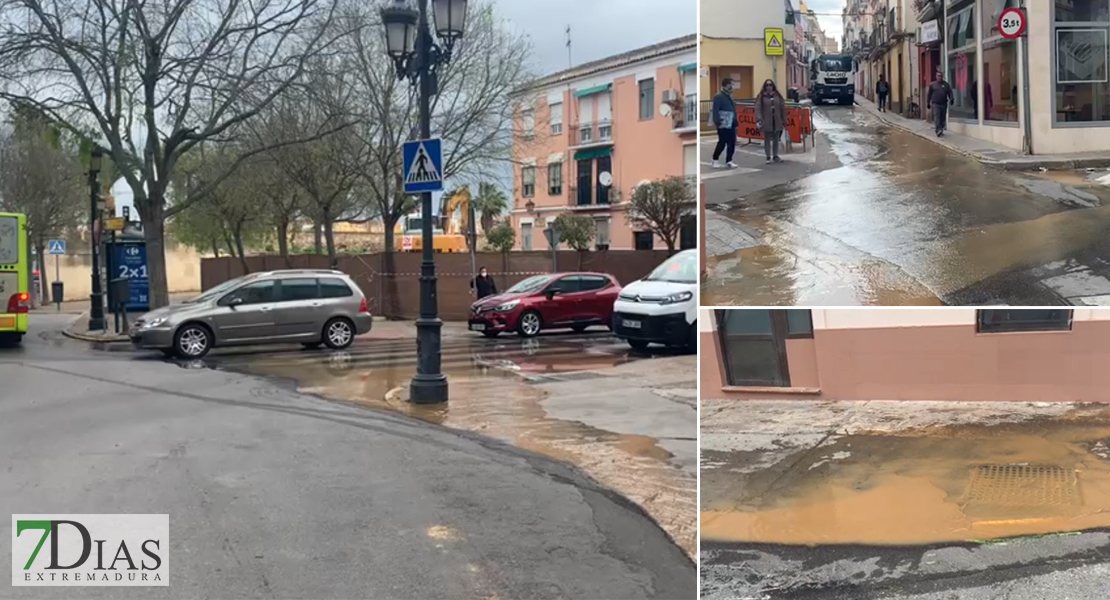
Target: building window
(688, 233)
(528, 181)
(529, 124)
(601, 236)
(604, 165)
(753, 343)
(647, 99)
(585, 182)
(557, 119)
(644, 240)
(1039, 319)
(555, 179)
(1000, 67)
(1082, 88)
(525, 236)
(963, 59)
(1082, 11)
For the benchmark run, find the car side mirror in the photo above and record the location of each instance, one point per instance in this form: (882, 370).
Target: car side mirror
(236, 301)
(551, 294)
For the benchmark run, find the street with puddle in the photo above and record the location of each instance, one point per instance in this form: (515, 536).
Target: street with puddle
(512, 390)
(850, 485)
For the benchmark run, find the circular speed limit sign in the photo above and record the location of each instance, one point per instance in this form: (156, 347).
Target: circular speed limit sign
(1011, 23)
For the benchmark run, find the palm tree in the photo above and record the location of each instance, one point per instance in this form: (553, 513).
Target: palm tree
(490, 204)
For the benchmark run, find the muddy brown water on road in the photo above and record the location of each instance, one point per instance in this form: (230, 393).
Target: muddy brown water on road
(492, 399)
(949, 484)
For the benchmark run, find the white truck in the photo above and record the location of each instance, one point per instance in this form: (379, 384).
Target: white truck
(831, 79)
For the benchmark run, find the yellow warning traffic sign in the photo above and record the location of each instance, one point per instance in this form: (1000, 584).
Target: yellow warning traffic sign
(772, 42)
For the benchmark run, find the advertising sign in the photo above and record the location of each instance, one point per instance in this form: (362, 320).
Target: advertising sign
(129, 262)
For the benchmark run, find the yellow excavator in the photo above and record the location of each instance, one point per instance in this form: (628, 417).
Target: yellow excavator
(445, 237)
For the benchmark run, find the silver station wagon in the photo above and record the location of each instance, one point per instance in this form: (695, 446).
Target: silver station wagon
(312, 307)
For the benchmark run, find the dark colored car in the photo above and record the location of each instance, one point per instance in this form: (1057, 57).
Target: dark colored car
(559, 301)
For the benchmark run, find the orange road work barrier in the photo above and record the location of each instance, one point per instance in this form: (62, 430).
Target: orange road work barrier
(799, 123)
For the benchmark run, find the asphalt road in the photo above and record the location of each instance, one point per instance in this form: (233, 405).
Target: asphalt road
(271, 493)
(879, 216)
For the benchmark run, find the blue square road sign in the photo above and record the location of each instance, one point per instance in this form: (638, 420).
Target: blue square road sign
(56, 247)
(423, 166)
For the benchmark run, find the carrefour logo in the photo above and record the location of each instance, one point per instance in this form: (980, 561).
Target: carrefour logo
(90, 550)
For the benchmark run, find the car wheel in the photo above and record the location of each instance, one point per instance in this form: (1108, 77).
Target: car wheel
(311, 345)
(339, 333)
(638, 344)
(192, 341)
(530, 324)
(579, 328)
(491, 334)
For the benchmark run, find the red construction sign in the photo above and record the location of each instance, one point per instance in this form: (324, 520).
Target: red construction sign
(799, 123)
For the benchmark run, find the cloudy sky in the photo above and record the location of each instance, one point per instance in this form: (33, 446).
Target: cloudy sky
(598, 28)
(829, 14)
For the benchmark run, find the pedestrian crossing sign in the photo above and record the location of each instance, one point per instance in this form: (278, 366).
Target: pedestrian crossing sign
(423, 166)
(772, 42)
(56, 247)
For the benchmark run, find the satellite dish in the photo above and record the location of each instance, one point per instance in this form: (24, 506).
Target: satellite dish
(606, 178)
(665, 110)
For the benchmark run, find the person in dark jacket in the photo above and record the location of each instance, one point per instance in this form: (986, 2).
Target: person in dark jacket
(723, 116)
(882, 90)
(940, 96)
(483, 284)
(770, 114)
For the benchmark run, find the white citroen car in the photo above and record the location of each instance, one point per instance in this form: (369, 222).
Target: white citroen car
(661, 308)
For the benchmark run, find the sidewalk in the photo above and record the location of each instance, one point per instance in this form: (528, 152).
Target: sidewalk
(988, 153)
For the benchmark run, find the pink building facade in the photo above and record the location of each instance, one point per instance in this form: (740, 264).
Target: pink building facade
(587, 136)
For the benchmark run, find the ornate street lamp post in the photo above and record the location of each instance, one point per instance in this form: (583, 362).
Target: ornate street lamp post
(96, 312)
(413, 48)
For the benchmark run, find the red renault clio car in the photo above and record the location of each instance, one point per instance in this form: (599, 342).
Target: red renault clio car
(559, 301)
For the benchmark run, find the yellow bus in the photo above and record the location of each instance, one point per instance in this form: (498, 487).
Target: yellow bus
(15, 297)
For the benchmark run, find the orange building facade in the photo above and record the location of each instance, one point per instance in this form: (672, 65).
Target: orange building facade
(587, 136)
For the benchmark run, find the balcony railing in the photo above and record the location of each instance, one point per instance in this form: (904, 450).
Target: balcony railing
(591, 134)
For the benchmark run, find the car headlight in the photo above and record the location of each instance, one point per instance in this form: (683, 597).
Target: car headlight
(506, 307)
(677, 297)
(154, 323)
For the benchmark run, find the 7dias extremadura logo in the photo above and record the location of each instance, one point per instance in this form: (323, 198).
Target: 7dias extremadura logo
(90, 550)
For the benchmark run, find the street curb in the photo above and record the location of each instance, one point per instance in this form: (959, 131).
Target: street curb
(1057, 164)
(85, 337)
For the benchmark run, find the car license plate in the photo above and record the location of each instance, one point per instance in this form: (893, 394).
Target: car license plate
(630, 324)
(477, 327)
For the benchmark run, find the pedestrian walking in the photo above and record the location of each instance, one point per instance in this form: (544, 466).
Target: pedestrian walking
(483, 284)
(882, 90)
(940, 96)
(723, 117)
(770, 114)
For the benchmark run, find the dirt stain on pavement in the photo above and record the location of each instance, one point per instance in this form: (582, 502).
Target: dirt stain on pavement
(949, 484)
(493, 399)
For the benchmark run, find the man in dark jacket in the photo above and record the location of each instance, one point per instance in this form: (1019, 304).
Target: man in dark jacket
(882, 90)
(723, 116)
(940, 96)
(483, 284)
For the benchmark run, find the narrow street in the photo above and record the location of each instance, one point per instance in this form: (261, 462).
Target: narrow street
(878, 216)
(276, 493)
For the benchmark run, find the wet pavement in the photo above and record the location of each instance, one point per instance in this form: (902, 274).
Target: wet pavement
(902, 487)
(896, 219)
(627, 419)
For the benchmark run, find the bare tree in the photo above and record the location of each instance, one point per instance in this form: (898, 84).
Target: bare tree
(660, 207)
(41, 177)
(152, 80)
(473, 111)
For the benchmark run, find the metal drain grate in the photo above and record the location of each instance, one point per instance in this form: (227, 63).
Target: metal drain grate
(1023, 485)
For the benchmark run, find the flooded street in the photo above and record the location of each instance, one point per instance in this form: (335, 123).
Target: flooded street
(582, 398)
(887, 218)
(846, 482)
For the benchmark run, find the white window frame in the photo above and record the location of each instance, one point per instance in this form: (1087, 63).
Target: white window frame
(524, 184)
(556, 123)
(1056, 54)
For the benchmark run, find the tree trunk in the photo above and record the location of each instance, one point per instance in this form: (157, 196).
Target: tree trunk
(329, 237)
(154, 231)
(239, 247)
(283, 242)
(389, 222)
(215, 248)
(317, 236)
(670, 242)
